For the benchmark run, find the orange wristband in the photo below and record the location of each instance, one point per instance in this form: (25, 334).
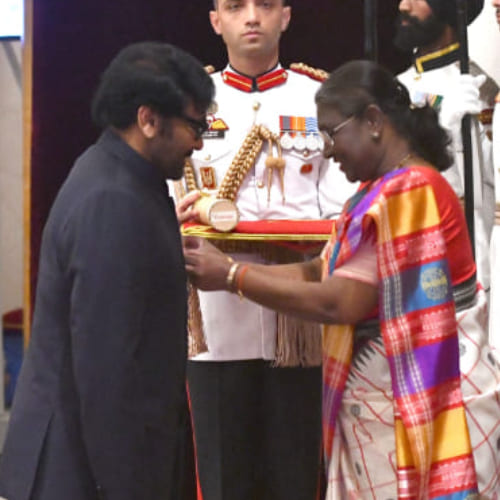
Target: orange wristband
(239, 279)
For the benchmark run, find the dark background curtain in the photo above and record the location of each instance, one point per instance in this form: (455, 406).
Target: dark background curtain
(74, 40)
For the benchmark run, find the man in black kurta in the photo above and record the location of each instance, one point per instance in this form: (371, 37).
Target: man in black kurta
(101, 396)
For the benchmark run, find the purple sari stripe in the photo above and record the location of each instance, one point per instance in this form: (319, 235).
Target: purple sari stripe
(355, 230)
(332, 400)
(435, 364)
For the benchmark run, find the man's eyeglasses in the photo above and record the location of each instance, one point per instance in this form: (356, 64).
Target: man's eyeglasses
(328, 135)
(199, 127)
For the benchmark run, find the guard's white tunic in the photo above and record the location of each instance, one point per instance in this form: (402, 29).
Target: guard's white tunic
(314, 188)
(438, 82)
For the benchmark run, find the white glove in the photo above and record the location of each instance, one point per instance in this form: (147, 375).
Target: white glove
(462, 98)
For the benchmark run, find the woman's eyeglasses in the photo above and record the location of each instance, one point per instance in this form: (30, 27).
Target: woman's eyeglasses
(328, 135)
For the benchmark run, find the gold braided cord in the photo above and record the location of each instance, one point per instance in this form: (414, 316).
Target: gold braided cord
(245, 159)
(189, 177)
(179, 190)
(242, 163)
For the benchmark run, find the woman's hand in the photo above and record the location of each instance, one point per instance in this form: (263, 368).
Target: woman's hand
(207, 266)
(185, 208)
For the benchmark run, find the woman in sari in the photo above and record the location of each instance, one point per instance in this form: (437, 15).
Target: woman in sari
(411, 390)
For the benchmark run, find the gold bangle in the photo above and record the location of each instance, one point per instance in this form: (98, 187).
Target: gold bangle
(230, 276)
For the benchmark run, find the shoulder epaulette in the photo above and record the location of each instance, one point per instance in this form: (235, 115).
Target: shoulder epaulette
(209, 69)
(319, 75)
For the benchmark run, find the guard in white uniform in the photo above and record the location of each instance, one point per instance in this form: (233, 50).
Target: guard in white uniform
(257, 426)
(313, 188)
(241, 336)
(430, 28)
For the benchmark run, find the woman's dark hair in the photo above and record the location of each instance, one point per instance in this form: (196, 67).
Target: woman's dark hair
(155, 74)
(357, 84)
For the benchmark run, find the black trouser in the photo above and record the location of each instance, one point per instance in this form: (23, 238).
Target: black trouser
(257, 430)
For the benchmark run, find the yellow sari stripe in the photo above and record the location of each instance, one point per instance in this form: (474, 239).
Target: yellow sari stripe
(451, 435)
(402, 221)
(451, 438)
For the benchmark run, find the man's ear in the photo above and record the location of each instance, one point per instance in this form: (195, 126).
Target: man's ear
(148, 121)
(214, 21)
(285, 18)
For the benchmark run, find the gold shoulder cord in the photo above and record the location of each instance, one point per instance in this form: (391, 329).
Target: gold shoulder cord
(243, 162)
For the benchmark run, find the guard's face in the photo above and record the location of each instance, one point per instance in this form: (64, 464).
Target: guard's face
(416, 26)
(250, 27)
(418, 9)
(496, 5)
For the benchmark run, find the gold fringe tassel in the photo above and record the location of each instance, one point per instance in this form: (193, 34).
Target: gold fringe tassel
(298, 342)
(196, 338)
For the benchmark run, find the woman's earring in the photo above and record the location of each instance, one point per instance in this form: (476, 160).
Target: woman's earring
(375, 136)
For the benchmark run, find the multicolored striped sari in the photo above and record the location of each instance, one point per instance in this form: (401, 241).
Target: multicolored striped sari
(419, 331)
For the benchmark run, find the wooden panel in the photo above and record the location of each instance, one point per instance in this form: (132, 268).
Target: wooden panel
(27, 60)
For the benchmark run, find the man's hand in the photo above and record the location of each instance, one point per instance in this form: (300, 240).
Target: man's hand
(207, 266)
(185, 207)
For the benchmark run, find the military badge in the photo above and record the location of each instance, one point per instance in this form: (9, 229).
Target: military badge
(299, 142)
(286, 141)
(207, 177)
(217, 128)
(300, 133)
(312, 142)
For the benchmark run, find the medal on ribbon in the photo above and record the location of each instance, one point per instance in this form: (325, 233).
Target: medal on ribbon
(299, 133)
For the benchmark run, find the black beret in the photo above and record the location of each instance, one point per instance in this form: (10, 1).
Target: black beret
(446, 10)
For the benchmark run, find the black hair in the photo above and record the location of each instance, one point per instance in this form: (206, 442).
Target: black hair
(357, 84)
(155, 74)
